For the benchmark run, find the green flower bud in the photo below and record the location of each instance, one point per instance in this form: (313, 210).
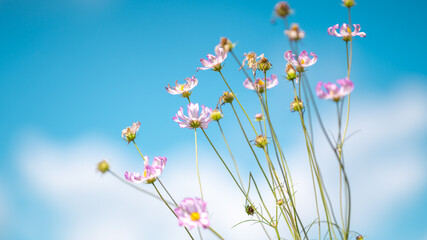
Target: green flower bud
(297, 105)
(216, 115)
(227, 97)
(349, 3)
(103, 166)
(261, 141)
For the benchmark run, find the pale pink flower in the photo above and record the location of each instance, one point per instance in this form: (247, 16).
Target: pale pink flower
(129, 133)
(192, 213)
(295, 33)
(213, 62)
(194, 120)
(151, 172)
(261, 84)
(303, 60)
(333, 91)
(183, 89)
(345, 31)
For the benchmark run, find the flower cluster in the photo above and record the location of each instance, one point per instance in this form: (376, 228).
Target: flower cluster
(150, 173)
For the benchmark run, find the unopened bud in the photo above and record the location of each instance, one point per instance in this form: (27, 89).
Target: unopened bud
(216, 115)
(264, 64)
(282, 9)
(280, 202)
(291, 74)
(258, 117)
(349, 3)
(103, 166)
(228, 97)
(297, 105)
(360, 237)
(261, 141)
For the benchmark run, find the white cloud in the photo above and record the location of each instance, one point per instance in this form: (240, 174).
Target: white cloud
(385, 166)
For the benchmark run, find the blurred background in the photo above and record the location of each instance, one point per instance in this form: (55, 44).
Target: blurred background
(74, 73)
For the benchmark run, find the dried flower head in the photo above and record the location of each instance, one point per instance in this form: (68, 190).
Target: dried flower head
(282, 9)
(263, 64)
(129, 133)
(249, 210)
(261, 84)
(295, 33)
(194, 120)
(227, 97)
(333, 91)
(192, 213)
(151, 172)
(183, 89)
(345, 31)
(251, 59)
(225, 44)
(261, 141)
(214, 62)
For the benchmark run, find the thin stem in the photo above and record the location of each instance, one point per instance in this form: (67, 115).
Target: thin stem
(138, 150)
(170, 196)
(216, 234)
(197, 164)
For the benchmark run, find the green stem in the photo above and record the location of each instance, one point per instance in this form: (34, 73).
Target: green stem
(216, 234)
(197, 164)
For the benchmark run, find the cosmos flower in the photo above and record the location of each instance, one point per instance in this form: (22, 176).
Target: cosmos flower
(295, 33)
(129, 133)
(333, 91)
(183, 89)
(151, 172)
(214, 62)
(303, 60)
(251, 60)
(194, 120)
(192, 213)
(345, 31)
(260, 84)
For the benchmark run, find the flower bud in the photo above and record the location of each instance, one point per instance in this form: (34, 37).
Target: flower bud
(297, 105)
(216, 115)
(280, 202)
(227, 97)
(261, 141)
(264, 64)
(249, 210)
(103, 166)
(349, 3)
(258, 117)
(291, 74)
(282, 9)
(226, 44)
(360, 237)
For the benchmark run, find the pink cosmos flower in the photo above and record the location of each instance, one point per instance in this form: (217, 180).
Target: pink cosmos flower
(192, 213)
(260, 84)
(129, 133)
(151, 172)
(193, 120)
(303, 60)
(333, 91)
(345, 31)
(183, 89)
(213, 62)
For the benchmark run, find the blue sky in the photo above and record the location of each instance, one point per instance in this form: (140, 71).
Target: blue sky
(74, 73)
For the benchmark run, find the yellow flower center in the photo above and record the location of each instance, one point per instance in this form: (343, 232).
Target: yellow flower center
(260, 82)
(181, 87)
(195, 216)
(348, 29)
(302, 61)
(145, 173)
